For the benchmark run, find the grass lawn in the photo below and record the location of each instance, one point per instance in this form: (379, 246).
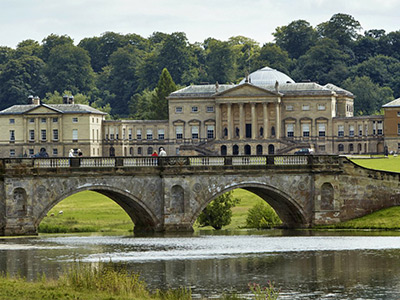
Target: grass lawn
(390, 163)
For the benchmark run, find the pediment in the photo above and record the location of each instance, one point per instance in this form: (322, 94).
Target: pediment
(247, 90)
(42, 109)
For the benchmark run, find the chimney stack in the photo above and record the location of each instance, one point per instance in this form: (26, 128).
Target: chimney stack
(71, 100)
(30, 99)
(65, 99)
(36, 100)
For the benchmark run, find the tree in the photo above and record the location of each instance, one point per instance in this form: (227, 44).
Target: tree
(296, 38)
(52, 41)
(273, 56)
(218, 213)
(159, 103)
(246, 51)
(57, 98)
(262, 215)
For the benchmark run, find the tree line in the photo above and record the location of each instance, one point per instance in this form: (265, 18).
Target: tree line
(129, 75)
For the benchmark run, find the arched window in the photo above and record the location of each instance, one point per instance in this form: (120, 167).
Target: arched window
(351, 148)
(112, 151)
(150, 150)
(261, 131)
(247, 150)
(259, 149)
(237, 131)
(225, 131)
(131, 151)
(271, 149)
(327, 196)
(272, 131)
(340, 147)
(139, 151)
(223, 150)
(359, 148)
(235, 150)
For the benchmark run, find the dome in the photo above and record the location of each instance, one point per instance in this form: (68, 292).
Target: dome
(268, 76)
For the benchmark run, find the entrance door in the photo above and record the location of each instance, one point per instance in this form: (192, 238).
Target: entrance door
(247, 150)
(248, 130)
(271, 149)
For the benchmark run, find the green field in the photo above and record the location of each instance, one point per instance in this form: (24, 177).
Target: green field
(390, 163)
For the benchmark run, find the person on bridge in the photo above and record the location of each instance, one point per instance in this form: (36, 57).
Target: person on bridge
(154, 153)
(162, 152)
(80, 152)
(71, 153)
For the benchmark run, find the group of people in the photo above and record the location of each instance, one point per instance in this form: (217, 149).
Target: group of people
(72, 154)
(161, 153)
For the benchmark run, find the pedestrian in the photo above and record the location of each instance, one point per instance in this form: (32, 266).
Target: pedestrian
(80, 152)
(71, 153)
(162, 152)
(154, 153)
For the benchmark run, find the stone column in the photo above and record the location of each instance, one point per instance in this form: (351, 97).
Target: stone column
(253, 121)
(217, 122)
(265, 118)
(229, 115)
(241, 121)
(278, 119)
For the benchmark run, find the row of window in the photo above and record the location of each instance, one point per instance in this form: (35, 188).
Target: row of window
(44, 120)
(306, 107)
(43, 135)
(194, 109)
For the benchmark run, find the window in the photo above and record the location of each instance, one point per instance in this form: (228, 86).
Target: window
(321, 130)
(210, 131)
(351, 148)
(360, 130)
(74, 134)
(43, 120)
(131, 151)
(55, 151)
(123, 133)
(340, 148)
(290, 130)
(398, 113)
(149, 135)
(373, 127)
(210, 109)
(161, 134)
(321, 148)
(195, 132)
(195, 109)
(55, 134)
(31, 151)
(43, 134)
(31, 135)
(289, 107)
(398, 128)
(150, 150)
(130, 133)
(380, 128)
(12, 121)
(92, 120)
(55, 120)
(12, 136)
(12, 152)
(340, 130)
(139, 150)
(366, 130)
(306, 107)
(177, 151)
(74, 120)
(306, 130)
(179, 132)
(351, 130)
(111, 133)
(178, 109)
(139, 134)
(31, 120)
(321, 106)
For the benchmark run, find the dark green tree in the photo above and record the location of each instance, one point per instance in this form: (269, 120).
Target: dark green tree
(273, 56)
(261, 216)
(390, 44)
(219, 212)
(52, 41)
(246, 51)
(296, 38)
(29, 48)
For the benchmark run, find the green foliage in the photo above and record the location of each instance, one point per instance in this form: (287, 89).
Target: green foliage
(262, 216)
(218, 213)
(268, 292)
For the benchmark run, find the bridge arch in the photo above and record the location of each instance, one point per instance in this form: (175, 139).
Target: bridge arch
(140, 214)
(288, 210)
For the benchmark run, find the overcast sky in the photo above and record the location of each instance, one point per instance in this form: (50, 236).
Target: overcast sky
(199, 19)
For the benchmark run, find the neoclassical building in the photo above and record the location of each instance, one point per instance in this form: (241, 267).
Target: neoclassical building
(266, 113)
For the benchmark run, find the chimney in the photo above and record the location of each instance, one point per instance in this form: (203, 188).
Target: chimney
(71, 100)
(36, 100)
(30, 99)
(65, 99)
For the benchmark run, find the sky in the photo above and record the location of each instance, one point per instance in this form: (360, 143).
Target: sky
(199, 19)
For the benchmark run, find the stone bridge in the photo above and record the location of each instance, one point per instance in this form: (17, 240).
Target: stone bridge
(169, 193)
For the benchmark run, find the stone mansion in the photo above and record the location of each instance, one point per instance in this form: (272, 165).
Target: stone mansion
(266, 113)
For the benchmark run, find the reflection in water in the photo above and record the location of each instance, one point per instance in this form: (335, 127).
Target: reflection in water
(311, 267)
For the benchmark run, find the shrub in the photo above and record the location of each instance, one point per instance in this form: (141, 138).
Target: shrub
(262, 215)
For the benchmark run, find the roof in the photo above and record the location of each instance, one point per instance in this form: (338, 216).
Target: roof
(201, 90)
(61, 108)
(394, 103)
(268, 76)
(338, 90)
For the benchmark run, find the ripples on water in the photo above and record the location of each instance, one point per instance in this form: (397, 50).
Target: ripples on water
(303, 267)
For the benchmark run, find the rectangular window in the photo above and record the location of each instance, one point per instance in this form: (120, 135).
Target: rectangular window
(43, 120)
(351, 130)
(306, 130)
(55, 120)
(55, 151)
(111, 133)
(43, 135)
(380, 128)
(360, 130)
(31, 135)
(31, 152)
(130, 133)
(74, 120)
(366, 130)
(55, 134)
(179, 132)
(195, 132)
(12, 152)
(161, 134)
(373, 127)
(149, 134)
(139, 134)
(210, 131)
(12, 136)
(210, 109)
(289, 107)
(74, 134)
(398, 129)
(321, 129)
(12, 121)
(123, 133)
(290, 130)
(195, 109)
(31, 120)
(306, 107)
(178, 109)
(321, 106)
(340, 130)
(321, 148)
(139, 150)
(398, 113)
